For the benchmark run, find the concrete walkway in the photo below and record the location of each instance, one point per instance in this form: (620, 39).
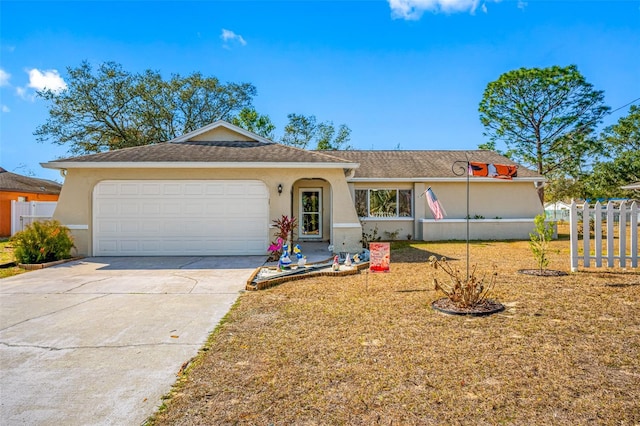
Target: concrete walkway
(100, 340)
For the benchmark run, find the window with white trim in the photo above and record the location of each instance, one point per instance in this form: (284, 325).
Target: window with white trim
(384, 203)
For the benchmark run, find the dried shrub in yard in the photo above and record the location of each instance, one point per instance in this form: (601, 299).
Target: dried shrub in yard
(42, 242)
(463, 292)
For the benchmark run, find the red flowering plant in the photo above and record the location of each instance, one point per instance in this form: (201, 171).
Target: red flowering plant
(285, 226)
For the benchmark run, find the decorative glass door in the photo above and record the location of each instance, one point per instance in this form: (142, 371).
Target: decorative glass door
(310, 213)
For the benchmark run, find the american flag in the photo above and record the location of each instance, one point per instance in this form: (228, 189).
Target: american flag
(436, 208)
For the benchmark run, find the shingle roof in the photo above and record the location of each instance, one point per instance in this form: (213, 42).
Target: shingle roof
(15, 182)
(203, 151)
(419, 164)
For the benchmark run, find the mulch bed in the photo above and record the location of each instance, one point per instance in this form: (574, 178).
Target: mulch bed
(487, 307)
(543, 272)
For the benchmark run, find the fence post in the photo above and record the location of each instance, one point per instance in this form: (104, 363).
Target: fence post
(573, 232)
(622, 236)
(597, 223)
(586, 235)
(634, 234)
(610, 228)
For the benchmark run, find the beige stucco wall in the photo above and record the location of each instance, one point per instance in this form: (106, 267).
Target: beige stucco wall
(221, 134)
(490, 199)
(75, 203)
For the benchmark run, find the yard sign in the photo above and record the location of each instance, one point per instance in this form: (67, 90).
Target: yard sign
(379, 257)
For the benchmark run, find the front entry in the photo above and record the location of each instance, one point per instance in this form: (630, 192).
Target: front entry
(310, 213)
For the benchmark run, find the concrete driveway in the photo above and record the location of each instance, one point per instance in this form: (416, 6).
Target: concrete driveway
(100, 340)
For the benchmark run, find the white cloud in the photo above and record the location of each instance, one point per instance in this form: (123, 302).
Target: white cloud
(229, 36)
(522, 4)
(4, 108)
(4, 77)
(22, 92)
(47, 79)
(413, 9)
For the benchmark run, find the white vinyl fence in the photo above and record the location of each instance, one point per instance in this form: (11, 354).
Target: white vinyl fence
(591, 220)
(24, 213)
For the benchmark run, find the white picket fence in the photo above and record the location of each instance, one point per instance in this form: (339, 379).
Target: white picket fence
(24, 213)
(627, 220)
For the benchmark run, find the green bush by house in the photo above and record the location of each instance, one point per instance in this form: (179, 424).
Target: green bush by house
(42, 242)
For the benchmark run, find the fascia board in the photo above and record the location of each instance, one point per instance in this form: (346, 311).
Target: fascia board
(446, 179)
(192, 165)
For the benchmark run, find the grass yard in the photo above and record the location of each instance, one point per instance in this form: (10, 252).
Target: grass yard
(6, 256)
(368, 349)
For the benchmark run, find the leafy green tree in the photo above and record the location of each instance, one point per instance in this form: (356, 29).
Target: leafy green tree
(491, 146)
(249, 119)
(624, 135)
(110, 108)
(608, 176)
(565, 188)
(545, 117)
(301, 131)
(621, 162)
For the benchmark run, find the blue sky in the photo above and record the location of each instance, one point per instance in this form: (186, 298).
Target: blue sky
(399, 73)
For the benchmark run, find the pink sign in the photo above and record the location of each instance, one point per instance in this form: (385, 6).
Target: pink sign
(379, 257)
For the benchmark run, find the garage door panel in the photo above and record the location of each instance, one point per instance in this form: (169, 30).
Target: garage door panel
(214, 189)
(106, 208)
(150, 189)
(129, 189)
(173, 218)
(171, 189)
(171, 208)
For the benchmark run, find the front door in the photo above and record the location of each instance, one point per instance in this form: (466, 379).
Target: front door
(310, 213)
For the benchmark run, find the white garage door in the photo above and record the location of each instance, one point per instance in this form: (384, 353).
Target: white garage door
(160, 218)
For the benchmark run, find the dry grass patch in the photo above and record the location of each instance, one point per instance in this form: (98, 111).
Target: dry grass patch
(370, 350)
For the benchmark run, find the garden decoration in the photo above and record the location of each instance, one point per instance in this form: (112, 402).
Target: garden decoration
(336, 264)
(302, 260)
(347, 260)
(285, 260)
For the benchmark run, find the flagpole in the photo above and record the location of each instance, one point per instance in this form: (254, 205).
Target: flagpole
(458, 172)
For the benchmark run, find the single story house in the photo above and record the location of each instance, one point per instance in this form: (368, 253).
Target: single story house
(217, 190)
(15, 187)
(557, 211)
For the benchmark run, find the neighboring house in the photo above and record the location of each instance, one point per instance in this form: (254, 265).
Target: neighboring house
(557, 211)
(15, 187)
(217, 190)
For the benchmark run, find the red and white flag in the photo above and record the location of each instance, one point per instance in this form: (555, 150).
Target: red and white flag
(436, 208)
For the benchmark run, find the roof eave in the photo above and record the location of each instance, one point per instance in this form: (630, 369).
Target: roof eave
(59, 165)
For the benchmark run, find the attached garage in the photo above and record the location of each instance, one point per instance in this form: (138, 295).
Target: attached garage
(188, 217)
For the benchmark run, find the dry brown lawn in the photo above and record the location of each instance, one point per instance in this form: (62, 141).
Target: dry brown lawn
(368, 349)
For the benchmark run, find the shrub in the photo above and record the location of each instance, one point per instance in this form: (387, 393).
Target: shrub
(464, 292)
(540, 241)
(284, 232)
(42, 242)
